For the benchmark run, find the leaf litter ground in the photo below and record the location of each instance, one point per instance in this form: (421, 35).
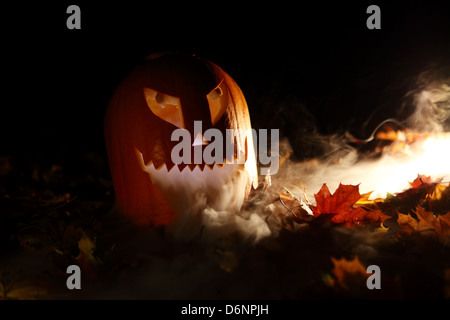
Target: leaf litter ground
(53, 216)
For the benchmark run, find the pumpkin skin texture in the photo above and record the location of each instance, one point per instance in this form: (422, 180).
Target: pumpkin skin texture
(161, 94)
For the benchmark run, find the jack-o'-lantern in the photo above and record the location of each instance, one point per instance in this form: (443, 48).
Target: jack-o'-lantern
(165, 93)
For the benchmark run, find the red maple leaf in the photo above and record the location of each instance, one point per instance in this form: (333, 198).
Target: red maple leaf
(420, 187)
(341, 205)
(343, 198)
(421, 181)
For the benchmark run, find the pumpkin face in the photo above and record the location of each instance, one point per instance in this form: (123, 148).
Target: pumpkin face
(163, 94)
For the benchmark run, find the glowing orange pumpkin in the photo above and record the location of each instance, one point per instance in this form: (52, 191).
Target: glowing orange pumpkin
(164, 93)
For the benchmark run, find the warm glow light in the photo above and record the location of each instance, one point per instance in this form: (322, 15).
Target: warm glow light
(428, 157)
(400, 164)
(422, 149)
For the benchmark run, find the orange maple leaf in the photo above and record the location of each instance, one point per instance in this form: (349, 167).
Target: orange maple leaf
(341, 205)
(426, 222)
(421, 181)
(343, 198)
(421, 186)
(347, 271)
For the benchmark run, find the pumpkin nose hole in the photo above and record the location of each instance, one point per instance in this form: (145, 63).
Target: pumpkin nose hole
(199, 141)
(160, 99)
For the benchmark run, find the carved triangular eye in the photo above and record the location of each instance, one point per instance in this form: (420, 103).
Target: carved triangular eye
(166, 107)
(218, 100)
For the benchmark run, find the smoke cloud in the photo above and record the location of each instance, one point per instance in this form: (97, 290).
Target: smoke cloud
(429, 101)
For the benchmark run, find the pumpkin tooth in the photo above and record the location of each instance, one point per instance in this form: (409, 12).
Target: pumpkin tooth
(186, 168)
(192, 166)
(160, 166)
(174, 167)
(181, 167)
(170, 166)
(141, 160)
(158, 163)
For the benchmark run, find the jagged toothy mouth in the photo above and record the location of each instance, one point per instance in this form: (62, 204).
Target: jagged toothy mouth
(198, 174)
(221, 187)
(189, 174)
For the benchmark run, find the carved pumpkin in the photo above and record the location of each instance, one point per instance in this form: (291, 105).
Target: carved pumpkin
(162, 94)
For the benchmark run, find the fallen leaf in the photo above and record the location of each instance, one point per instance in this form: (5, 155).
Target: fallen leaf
(438, 201)
(421, 181)
(342, 206)
(438, 192)
(420, 188)
(426, 222)
(87, 248)
(423, 192)
(407, 224)
(24, 291)
(359, 216)
(365, 199)
(296, 206)
(348, 271)
(343, 198)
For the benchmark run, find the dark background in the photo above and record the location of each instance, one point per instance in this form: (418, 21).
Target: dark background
(303, 66)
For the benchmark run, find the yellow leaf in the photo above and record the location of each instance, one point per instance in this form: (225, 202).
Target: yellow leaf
(364, 200)
(87, 247)
(437, 192)
(21, 290)
(347, 270)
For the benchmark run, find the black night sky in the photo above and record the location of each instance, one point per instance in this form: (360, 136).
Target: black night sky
(283, 55)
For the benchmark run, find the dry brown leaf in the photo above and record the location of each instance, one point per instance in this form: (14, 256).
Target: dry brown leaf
(346, 271)
(426, 222)
(25, 291)
(296, 206)
(87, 248)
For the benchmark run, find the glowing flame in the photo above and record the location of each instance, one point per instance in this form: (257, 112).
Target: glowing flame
(437, 152)
(400, 163)
(421, 147)
(429, 156)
